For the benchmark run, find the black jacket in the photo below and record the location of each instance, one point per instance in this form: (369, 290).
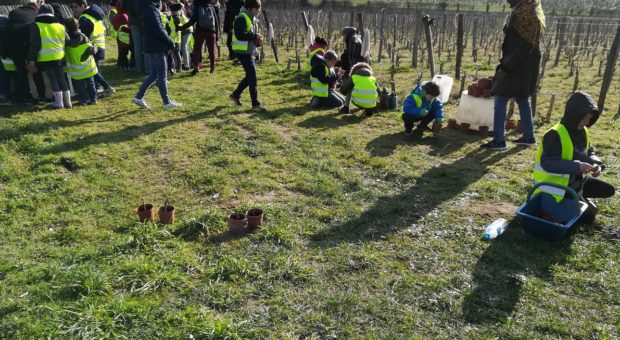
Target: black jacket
(154, 36)
(20, 23)
(517, 73)
(233, 7)
(318, 71)
(353, 49)
(130, 7)
(577, 107)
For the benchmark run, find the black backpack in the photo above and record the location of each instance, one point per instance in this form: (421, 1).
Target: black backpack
(206, 18)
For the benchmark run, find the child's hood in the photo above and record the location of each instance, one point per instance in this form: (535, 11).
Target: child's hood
(577, 107)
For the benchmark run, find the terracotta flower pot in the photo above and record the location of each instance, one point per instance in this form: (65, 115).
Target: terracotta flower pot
(485, 83)
(145, 213)
(486, 93)
(166, 214)
(236, 223)
(255, 218)
(483, 130)
(476, 91)
(437, 127)
(465, 127)
(452, 123)
(510, 124)
(519, 127)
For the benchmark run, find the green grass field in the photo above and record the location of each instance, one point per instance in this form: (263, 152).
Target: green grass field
(368, 233)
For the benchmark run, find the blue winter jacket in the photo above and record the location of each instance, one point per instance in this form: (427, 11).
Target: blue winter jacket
(411, 109)
(154, 36)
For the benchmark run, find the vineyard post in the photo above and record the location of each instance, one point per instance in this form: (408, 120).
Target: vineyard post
(428, 22)
(612, 59)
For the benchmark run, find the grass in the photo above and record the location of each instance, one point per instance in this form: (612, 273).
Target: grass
(367, 233)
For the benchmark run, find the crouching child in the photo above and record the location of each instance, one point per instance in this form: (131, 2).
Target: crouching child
(422, 106)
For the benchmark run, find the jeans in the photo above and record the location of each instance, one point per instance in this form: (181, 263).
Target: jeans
(136, 42)
(159, 73)
(525, 110)
(331, 101)
(56, 76)
(86, 90)
(99, 80)
(409, 120)
(250, 80)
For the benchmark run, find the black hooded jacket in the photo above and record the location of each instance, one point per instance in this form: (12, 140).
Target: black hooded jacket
(318, 71)
(577, 107)
(353, 48)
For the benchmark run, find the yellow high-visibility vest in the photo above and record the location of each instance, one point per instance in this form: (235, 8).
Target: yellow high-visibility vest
(98, 34)
(123, 36)
(309, 59)
(319, 89)
(52, 41)
(241, 46)
(8, 64)
(364, 91)
(77, 68)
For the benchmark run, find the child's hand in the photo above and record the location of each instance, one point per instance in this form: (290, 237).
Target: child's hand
(597, 170)
(585, 168)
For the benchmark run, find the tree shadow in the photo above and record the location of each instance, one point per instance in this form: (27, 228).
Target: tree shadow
(331, 121)
(126, 134)
(389, 214)
(441, 145)
(503, 269)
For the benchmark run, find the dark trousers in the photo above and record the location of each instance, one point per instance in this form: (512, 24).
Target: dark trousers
(99, 79)
(5, 84)
(22, 86)
(595, 188)
(250, 80)
(123, 56)
(410, 120)
(200, 38)
(331, 101)
(231, 54)
(56, 76)
(86, 90)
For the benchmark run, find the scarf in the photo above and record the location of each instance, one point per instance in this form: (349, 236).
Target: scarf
(528, 18)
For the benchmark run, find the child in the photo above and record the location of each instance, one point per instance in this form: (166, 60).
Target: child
(422, 106)
(360, 88)
(323, 82)
(81, 63)
(566, 156)
(318, 49)
(180, 38)
(205, 16)
(123, 37)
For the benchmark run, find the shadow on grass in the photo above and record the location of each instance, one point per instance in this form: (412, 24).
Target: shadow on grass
(331, 121)
(503, 269)
(126, 134)
(441, 145)
(389, 214)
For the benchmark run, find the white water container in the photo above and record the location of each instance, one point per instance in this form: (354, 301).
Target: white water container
(445, 86)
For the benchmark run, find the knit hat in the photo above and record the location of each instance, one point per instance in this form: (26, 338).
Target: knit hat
(175, 7)
(46, 9)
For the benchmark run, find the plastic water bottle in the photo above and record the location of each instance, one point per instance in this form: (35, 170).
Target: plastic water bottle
(495, 229)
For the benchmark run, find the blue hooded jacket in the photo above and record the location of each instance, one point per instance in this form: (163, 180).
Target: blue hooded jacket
(412, 110)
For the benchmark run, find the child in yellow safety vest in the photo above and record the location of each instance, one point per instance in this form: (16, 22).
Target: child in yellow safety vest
(360, 88)
(566, 156)
(422, 105)
(122, 33)
(316, 50)
(181, 38)
(323, 82)
(81, 65)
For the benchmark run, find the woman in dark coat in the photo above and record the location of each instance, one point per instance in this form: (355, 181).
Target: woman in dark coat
(517, 74)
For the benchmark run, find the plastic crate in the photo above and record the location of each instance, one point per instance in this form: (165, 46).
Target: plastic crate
(568, 211)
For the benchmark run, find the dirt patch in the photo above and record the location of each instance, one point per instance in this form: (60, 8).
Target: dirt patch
(493, 209)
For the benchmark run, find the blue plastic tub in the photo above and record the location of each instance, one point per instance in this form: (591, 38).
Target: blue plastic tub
(568, 211)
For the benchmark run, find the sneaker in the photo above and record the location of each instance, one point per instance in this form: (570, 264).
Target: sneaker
(141, 103)
(344, 110)
(527, 142)
(108, 92)
(408, 132)
(314, 103)
(424, 128)
(195, 71)
(259, 108)
(235, 100)
(172, 105)
(494, 145)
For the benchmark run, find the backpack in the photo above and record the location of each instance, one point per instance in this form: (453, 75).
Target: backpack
(206, 18)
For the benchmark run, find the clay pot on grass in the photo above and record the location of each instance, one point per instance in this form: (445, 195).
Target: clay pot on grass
(255, 218)
(465, 127)
(483, 130)
(166, 214)
(236, 223)
(145, 213)
(437, 127)
(476, 91)
(452, 123)
(486, 93)
(510, 124)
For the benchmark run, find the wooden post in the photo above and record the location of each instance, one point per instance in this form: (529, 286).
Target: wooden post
(460, 46)
(561, 40)
(576, 84)
(360, 20)
(381, 30)
(329, 25)
(612, 58)
(474, 38)
(416, 42)
(394, 37)
(304, 17)
(428, 22)
(551, 102)
(462, 86)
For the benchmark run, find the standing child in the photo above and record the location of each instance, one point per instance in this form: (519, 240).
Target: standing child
(422, 106)
(205, 16)
(179, 37)
(123, 37)
(81, 65)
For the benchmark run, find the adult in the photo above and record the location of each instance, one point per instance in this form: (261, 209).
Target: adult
(206, 18)
(353, 49)
(91, 18)
(46, 52)
(20, 22)
(517, 74)
(566, 155)
(7, 66)
(244, 43)
(130, 7)
(233, 7)
(157, 44)
(323, 82)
